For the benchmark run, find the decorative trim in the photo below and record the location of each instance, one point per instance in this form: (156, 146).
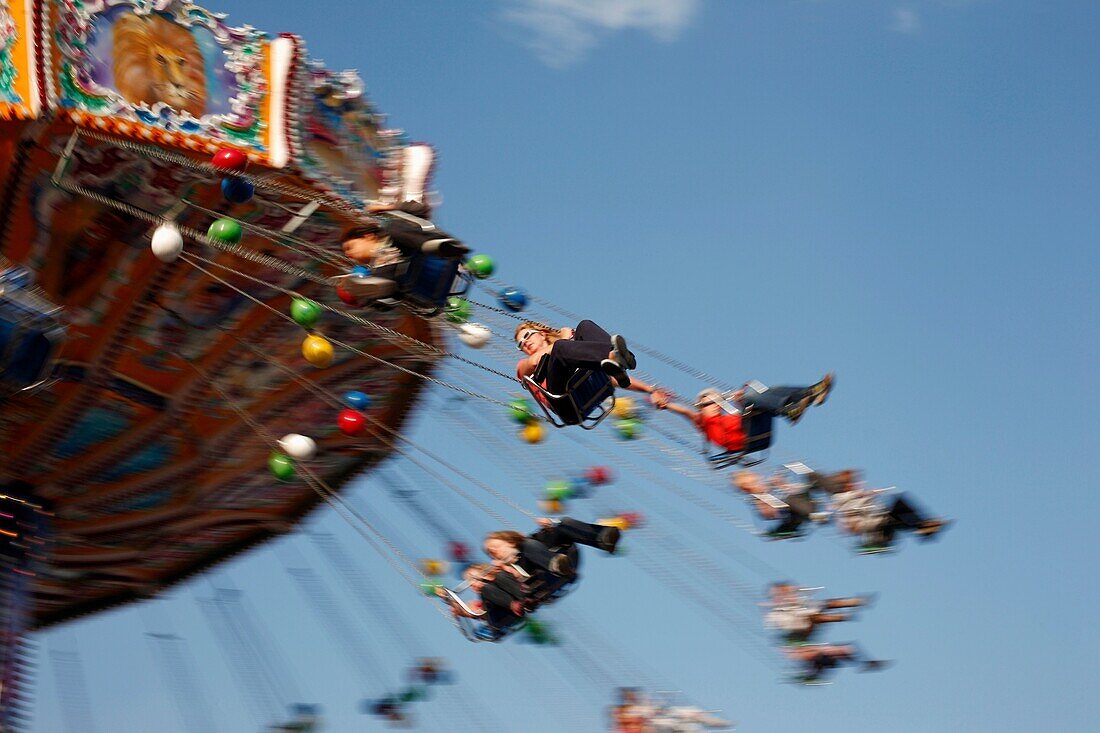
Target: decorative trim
(281, 52)
(343, 90)
(293, 93)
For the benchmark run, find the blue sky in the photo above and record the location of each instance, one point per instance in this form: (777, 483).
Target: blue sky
(903, 193)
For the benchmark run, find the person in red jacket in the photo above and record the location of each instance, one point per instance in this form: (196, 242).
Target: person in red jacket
(718, 415)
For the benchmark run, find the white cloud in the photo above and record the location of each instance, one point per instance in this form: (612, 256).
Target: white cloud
(905, 20)
(561, 32)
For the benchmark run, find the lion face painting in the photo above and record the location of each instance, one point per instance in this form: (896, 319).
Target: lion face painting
(158, 61)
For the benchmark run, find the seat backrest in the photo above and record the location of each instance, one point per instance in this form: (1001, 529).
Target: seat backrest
(429, 279)
(588, 389)
(28, 342)
(758, 431)
(30, 359)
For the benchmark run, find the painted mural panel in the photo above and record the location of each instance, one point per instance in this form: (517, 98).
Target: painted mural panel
(164, 63)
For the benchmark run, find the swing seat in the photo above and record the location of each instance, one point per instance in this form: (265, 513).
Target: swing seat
(588, 398)
(424, 283)
(874, 549)
(30, 334)
(479, 631)
(543, 589)
(758, 439)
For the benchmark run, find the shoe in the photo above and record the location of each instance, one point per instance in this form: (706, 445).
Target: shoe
(822, 389)
(448, 248)
(794, 414)
(560, 565)
(615, 370)
(622, 354)
(931, 528)
(608, 539)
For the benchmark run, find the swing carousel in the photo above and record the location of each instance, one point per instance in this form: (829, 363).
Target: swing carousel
(189, 366)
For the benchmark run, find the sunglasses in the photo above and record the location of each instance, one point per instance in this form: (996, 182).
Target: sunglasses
(523, 338)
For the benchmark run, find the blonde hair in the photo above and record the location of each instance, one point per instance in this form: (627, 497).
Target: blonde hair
(551, 334)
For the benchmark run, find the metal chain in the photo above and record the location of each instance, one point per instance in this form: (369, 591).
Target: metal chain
(235, 249)
(261, 182)
(659, 356)
(477, 482)
(351, 348)
(333, 400)
(376, 327)
(319, 486)
(281, 238)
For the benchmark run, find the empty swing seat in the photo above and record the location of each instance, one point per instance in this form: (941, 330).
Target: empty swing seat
(30, 334)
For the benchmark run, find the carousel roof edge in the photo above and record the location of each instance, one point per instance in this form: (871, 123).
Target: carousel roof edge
(172, 73)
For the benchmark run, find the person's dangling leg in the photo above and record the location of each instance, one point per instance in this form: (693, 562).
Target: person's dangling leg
(620, 355)
(800, 508)
(589, 331)
(505, 593)
(788, 402)
(905, 515)
(499, 618)
(536, 553)
(541, 557)
(778, 401)
(570, 530)
(493, 594)
(508, 583)
(568, 355)
(787, 526)
(590, 348)
(580, 354)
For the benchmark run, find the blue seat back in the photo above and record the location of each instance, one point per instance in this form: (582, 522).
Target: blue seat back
(758, 431)
(27, 346)
(585, 392)
(429, 279)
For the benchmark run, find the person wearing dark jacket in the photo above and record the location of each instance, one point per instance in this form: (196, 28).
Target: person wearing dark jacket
(399, 231)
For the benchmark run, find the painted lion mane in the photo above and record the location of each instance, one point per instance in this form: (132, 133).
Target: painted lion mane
(156, 60)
